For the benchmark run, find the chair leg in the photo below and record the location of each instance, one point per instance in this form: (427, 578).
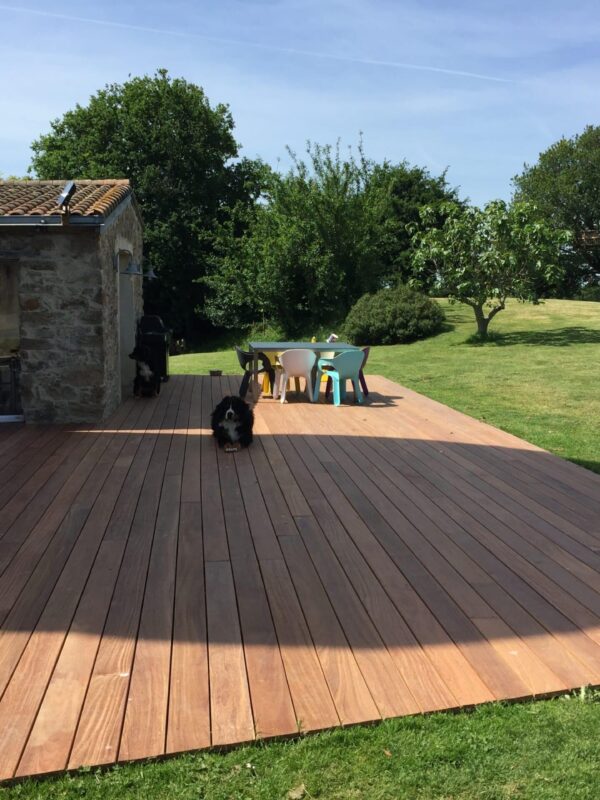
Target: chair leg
(363, 383)
(244, 383)
(328, 388)
(342, 389)
(336, 391)
(317, 387)
(358, 395)
(276, 384)
(284, 380)
(272, 378)
(297, 384)
(309, 387)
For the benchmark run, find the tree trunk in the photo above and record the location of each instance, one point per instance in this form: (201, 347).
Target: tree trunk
(482, 322)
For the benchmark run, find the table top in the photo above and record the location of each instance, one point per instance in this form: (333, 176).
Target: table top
(319, 347)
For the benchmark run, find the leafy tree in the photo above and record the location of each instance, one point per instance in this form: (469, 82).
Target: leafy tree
(403, 191)
(305, 254)
(328, 231)
(175, 148)
(483, 256)
(564, 185)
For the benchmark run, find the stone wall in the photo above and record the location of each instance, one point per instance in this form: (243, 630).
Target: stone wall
(69, 338)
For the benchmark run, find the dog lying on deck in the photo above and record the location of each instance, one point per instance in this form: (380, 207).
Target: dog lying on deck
(232, 422)
(147, 379)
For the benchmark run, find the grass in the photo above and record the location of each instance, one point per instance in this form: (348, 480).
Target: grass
(538, 376)
(531, 751)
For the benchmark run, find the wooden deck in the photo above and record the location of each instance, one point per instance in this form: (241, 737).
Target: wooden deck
(157, 595)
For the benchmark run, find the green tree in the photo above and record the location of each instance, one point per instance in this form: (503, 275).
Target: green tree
(306, 253)
(176, 149)
(564, 185)
(482, 257)
(400, 191)
(331, 229)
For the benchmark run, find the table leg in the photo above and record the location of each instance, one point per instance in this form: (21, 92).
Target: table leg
(255, 386)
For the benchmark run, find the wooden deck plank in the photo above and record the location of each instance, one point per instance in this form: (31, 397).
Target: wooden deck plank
(213, 521)
(480, 466)
(418, 670)
(543, 468)
(586, 649)
(158, 595)
(188, 724)
(499, 678)
(24, 692)
(145, 724)
(99, 729)
(51, 738)
(32, 498)
(14, 472)
(272, 706)
(470, 560)
(311, 699)
(67, 510)
(349, 690)
(450, 567)
(313, 704)
(467, 686)
(561, 614)
(30, 578)
(230, 708)
(549, 560)
(395, 635)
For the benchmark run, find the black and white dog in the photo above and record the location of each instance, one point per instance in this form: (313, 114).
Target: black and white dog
(232, 422)
(147, 378)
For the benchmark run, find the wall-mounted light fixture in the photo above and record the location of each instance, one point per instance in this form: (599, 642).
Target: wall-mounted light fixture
(132, 268)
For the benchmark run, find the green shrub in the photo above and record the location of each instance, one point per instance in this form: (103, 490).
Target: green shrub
(391, 316)
(266, 332)
(590, 293)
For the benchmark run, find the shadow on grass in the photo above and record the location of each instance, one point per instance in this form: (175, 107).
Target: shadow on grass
(594, 466)
(557, 337)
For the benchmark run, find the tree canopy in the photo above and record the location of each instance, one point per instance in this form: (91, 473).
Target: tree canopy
(176, 149)
(564, 185)
(327, 232)
(482, 257)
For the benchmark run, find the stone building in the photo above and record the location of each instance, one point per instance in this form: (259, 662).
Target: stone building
(70, 296)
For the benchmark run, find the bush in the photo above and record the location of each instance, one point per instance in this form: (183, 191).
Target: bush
(266, 332)
(391, 316)
(590, 293)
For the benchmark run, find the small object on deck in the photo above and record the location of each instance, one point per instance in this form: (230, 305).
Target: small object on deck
(332, 338)
(215, 373)
(232, 448)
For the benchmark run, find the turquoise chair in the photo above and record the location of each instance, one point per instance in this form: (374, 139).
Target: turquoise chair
(342, 368)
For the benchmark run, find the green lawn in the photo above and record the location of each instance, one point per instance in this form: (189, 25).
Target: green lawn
(538, 378)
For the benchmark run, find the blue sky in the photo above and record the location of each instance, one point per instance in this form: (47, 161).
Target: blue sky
(478, 87)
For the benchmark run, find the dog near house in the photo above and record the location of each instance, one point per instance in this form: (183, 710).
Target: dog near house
(232, 422)
(147, 377)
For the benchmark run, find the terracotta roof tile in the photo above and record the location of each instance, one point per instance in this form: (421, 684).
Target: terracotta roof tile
(38, 198)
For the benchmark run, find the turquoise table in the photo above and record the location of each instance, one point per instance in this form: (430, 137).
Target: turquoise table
(278, 347)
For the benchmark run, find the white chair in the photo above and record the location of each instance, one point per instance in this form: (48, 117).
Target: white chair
(296, 364)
